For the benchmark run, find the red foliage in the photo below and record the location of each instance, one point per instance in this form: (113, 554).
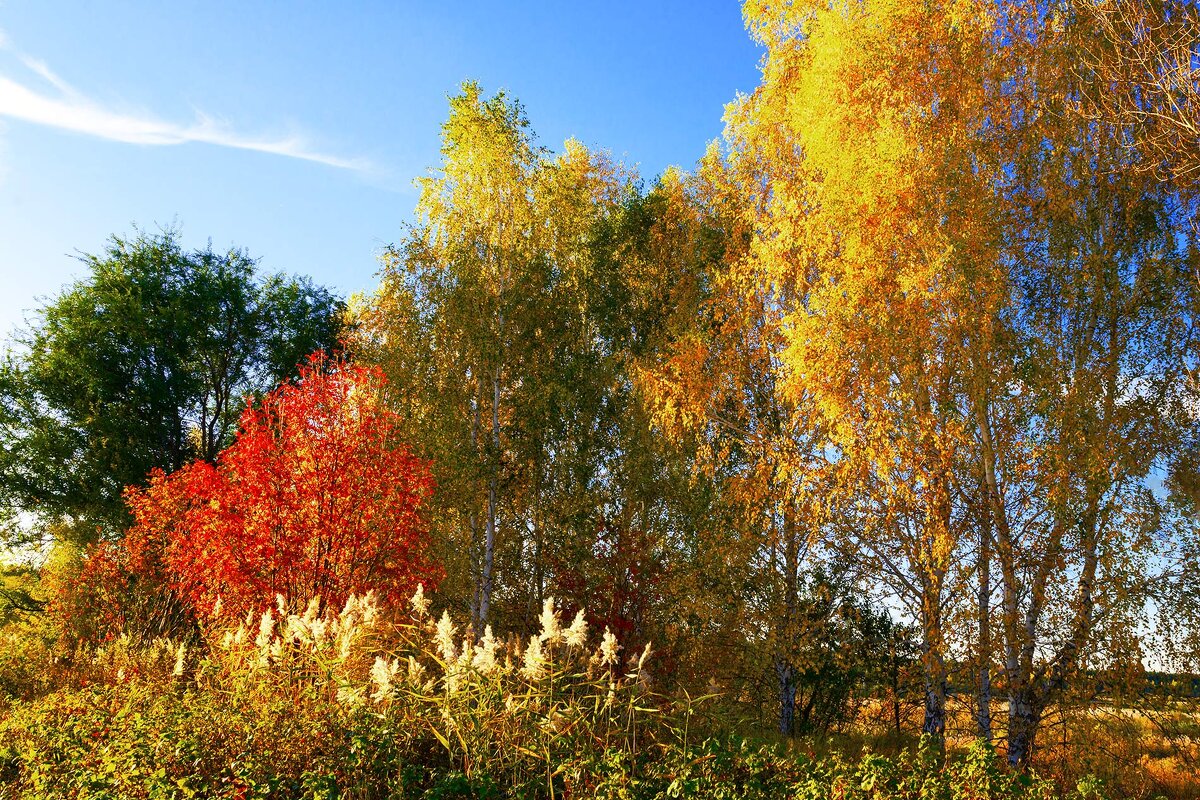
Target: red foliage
(616, 582)
(313, 498)
(88, 601)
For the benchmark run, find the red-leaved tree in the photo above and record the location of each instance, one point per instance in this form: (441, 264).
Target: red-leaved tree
(314, 498)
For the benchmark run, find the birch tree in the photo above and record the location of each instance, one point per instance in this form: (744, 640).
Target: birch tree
(884, 244)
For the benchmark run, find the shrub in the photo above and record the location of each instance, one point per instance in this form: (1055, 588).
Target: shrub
(314, 498)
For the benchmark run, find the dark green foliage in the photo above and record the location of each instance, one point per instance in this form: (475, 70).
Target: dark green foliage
(144, 364)
(733, 769)
(844, 651)
(17, 598)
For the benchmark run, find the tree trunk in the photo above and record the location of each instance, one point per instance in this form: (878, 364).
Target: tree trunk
(489, 543)
(985, 632)
(935, 665)
(475, 556)
(895, 682)
(995, 516)
(791, 603)
(787, 697)
(935, 699)
(1024, 716)
(539, 569)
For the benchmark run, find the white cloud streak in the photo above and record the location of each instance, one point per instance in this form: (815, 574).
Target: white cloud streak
(67, 109)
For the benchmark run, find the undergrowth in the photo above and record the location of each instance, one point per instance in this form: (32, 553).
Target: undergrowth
(366, 703)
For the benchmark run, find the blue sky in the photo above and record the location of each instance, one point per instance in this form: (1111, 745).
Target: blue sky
(295, 129)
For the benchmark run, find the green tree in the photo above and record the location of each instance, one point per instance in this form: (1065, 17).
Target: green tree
(493, 322)
(144, 363)
(450, 314)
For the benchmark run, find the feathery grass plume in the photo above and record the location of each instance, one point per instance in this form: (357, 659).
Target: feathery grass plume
(383, 672)
(641, 662)
(312, 610)
(445, 638)
(266, 634)
(420, 603)
(466, 653)
(368, 607)
(608, 649)
(348, 625)
(416, 673)
(180, 660)
(351, 696)
(484, 659)
(551, 630)
(534, 661)
(296, 630)
(576, 635)
(266, 630)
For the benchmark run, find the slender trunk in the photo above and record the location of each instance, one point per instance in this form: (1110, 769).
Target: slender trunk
(536, 595)
(895, 682)
(489, 554)
(934, 640)
(1010, 610)
(997, 526)
(985, 630)
(473, 523)
(935, 693)
(205, 437)
(539, 569)
(933, 552)
(489, 544)
(787, 697)
(933, 656)
(784, 669)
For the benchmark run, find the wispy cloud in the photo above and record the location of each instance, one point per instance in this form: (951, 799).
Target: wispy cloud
(59, 105)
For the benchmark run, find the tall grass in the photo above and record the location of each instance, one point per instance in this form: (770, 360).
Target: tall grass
(365, 702)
